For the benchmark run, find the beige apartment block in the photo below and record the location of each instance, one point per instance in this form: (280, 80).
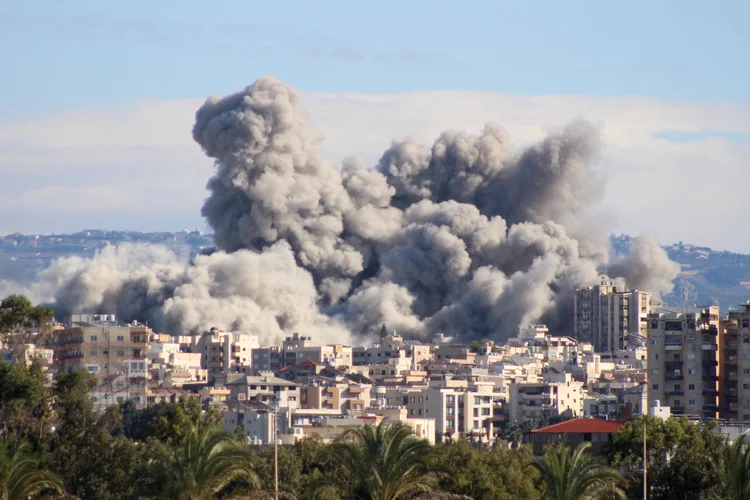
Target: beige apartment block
(104, 348)
(557, 396)
(734, 365)
(683, 360)
(609, 318)
(297, 349)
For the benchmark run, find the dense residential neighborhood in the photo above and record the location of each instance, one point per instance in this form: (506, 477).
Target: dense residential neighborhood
(689, 361)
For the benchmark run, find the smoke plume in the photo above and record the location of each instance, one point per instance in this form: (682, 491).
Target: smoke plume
(466, 237)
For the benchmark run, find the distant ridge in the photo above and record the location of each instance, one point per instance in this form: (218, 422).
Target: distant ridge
(708, 277)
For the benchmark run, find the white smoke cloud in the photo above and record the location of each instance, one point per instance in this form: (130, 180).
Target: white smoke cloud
(468, 236)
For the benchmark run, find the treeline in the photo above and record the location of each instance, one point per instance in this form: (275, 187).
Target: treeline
(53, 445)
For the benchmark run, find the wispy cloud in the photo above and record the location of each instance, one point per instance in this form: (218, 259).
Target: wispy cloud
(275, 38)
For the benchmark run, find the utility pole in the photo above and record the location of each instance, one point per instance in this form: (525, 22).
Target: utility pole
(276, 452)
(645, 463)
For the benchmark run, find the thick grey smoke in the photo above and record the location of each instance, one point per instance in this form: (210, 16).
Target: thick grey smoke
(647, 267)
(466, 237)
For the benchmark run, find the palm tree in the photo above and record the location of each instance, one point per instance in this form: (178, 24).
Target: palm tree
(206, 463)
(21, 477)
(385, 462)
(735, 478)
(572, 474)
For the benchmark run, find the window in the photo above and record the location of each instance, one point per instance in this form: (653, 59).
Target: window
(746, 386)
(412, 399)
(655, 371)
(476, 412)
(691, 355)
(476, 424)
(691, 402)
(746, 416)
(450, 423)
(746, 371)
(120, 338)
(656, 356)
(655, 387)
(691, 371)
(92, 354)
(93, 338)
(746, 340)
(485, 411)
(691, 387)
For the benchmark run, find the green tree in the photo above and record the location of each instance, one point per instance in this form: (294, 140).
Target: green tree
(21, 476)
(735, 471)
(386, 462)
(494, 474)
(684, 457)
(206, 464)
(23, 323)
(572, 474)
(25, 404)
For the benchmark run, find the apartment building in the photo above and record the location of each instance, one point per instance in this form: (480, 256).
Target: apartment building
(348, 398)
(264, 388)
(394, 345)
(609, 318)
(297, 349)
(104, 347)
(734, 365)
(222, 351)
(458, 412)
(683, 360)
(558, 395)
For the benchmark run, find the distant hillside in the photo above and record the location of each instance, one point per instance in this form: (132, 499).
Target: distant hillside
(22, 255)
(708, 276)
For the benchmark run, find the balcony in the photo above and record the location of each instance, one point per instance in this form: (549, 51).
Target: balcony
(673, 346)
(707, 346)
(710, 378)
(710, 392)
(675, 392)
(709, 362)
(673, 376)
(711, 408)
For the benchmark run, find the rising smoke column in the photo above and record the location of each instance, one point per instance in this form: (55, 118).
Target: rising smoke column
(466, 237)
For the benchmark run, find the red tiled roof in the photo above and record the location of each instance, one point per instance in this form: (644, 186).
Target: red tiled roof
(582, 425)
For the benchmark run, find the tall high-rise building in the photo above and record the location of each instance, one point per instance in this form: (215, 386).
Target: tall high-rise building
(683, 360)
(734, 364)
(608, 318)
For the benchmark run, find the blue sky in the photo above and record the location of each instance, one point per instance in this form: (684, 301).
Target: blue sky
(97, 98)
(61, 55)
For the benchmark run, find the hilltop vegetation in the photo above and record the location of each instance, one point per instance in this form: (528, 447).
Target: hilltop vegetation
(708, 277)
